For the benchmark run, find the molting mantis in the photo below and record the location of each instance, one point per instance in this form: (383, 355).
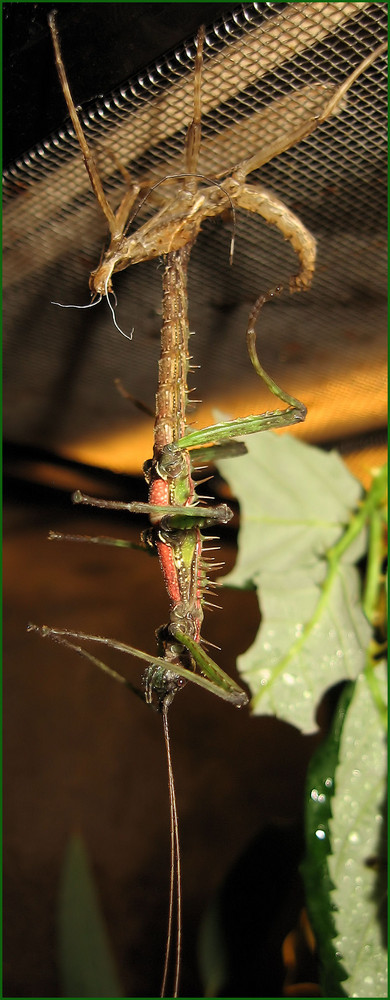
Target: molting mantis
(176, 514)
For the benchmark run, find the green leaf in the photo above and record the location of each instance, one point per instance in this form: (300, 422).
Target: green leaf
(344, 877)
(303, 526)
(295, 503)
(358, 842)
(319, 791)
(87, 966)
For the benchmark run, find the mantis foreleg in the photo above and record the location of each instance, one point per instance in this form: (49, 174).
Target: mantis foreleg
(118, 543)
(178, 516)
(212, 678)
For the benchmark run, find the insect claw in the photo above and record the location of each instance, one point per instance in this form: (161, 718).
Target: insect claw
(34, 628)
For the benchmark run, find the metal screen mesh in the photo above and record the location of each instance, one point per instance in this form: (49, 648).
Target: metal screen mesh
(326, 346)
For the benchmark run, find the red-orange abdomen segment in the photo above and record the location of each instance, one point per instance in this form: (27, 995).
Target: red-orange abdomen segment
(169, 571)
(158, 496)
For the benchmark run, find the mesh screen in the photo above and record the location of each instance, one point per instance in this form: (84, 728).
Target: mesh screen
(326, 346)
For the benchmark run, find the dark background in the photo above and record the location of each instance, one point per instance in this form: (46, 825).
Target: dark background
(138, 33)
(81, 755)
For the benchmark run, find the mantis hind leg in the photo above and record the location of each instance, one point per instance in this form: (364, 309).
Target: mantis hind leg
(295, 407)
(194, 130)
(271, 419)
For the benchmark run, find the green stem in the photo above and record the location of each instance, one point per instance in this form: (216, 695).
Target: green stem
(371, 676)
(373, 580)
(373, 499)
(371, 502)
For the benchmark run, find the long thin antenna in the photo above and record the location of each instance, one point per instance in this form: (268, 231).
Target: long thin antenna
(175, 880)
(89, 159)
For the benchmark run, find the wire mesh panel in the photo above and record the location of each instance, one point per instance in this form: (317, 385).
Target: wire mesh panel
(264, 65)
